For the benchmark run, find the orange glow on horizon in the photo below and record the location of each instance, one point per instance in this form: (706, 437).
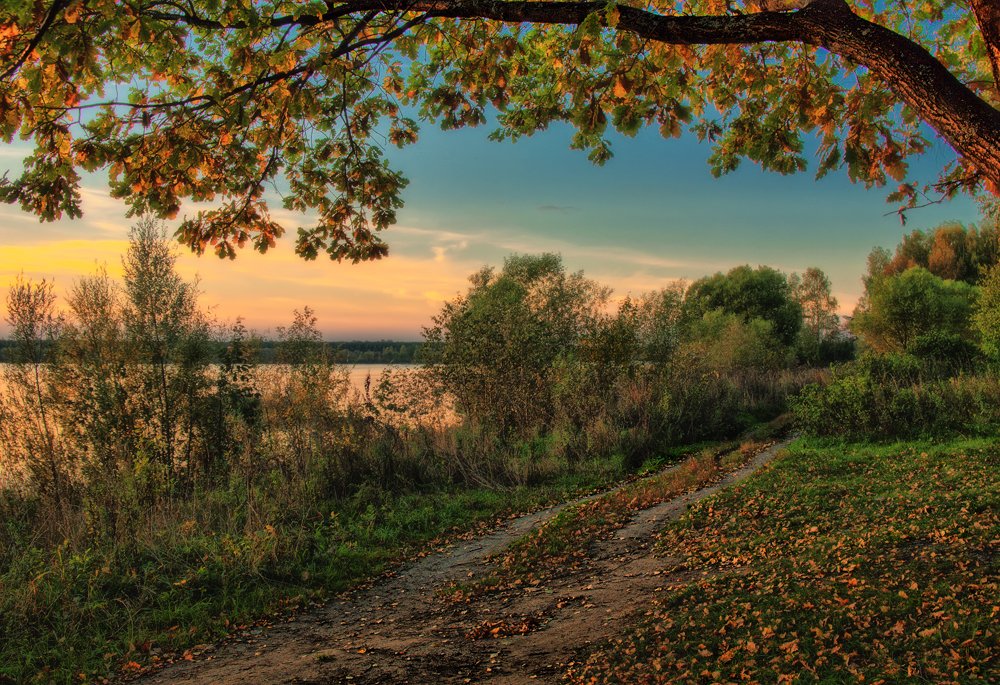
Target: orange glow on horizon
(392, 298)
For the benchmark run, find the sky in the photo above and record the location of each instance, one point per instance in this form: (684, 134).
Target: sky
(652, 215)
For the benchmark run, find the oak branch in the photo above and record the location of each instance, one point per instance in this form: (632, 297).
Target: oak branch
(216, 100)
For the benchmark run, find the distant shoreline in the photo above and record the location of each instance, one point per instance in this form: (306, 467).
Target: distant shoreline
(341, 352)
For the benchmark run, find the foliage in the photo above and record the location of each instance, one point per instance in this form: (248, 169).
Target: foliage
(987, 316)
(221, 99)
(820, 339)
(102, 411)
(529, 356)
(376, 352)
(950, 251)
(900, 308)
(494, 348)
(819, 307)
(32, 318)
(235, 412)
(945, 354)
(658, 317)
(887, 397)
(169, 338)
(730, 344)
(836, 564)
(29, 439)
(304, 409)
(761, 293)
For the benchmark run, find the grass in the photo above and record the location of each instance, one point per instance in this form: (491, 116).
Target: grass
(838, 563)
(560, 543)
(117, 606)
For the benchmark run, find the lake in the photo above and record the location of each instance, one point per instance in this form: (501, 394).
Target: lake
(356, 374)
(359, 372)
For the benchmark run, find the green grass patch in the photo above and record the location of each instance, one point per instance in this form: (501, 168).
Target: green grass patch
(72, 615)
(838, 563)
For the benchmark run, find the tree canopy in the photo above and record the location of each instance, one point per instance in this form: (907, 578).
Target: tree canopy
(761, 293)
(901, 308)
(951, 251)
(216, 100)
(494, 348)
(812, 291)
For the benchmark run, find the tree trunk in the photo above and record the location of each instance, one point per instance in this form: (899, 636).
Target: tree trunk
(988, 17)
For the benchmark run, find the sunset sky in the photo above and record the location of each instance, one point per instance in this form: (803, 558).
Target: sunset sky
(652, 215)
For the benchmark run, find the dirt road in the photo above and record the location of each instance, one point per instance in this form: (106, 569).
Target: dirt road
(403, 630)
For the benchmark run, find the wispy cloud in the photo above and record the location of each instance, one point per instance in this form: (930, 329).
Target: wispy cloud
(14, 152)
(563, 209)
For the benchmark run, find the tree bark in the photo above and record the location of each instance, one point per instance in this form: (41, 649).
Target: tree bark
(988, 17)
(968, 123)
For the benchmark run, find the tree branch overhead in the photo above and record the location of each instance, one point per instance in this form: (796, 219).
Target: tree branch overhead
(224, 98)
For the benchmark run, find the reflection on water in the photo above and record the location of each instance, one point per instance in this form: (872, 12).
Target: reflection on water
(359, 372)
(356, 374)
(409, 400)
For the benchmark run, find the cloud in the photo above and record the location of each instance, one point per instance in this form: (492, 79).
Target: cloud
(435, 235)
(14, 152)
(564, 209)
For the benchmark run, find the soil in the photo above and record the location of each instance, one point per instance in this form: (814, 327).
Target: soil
(404, 629)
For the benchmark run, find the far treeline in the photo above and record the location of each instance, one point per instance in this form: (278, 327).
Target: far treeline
(266, 351)
(150, 481)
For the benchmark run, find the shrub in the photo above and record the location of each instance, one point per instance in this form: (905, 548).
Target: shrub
(493, 349)
(894, 396)
(987, 316)
(944, 354)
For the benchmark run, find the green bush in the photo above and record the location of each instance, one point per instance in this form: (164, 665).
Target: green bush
(889, 397)
(944, 354)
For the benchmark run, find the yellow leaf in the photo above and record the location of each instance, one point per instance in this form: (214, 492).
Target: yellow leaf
(622, 87)
(612, 17)
(72, 13)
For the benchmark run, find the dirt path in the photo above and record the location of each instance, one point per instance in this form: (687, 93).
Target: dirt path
(402, 631)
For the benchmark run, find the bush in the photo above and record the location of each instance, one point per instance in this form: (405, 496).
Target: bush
(494, 348)
(944, 354)
(888, 397)
(987, 316)
(899, 309)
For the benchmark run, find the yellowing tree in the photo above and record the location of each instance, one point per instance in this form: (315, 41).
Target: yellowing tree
(212, 100)
(812, 291)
